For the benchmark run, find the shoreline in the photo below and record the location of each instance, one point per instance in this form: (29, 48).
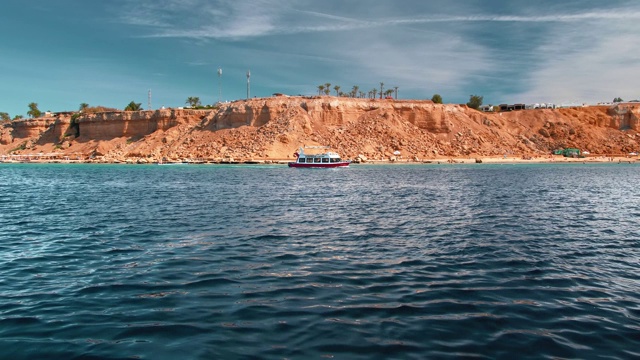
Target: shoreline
(554, 159)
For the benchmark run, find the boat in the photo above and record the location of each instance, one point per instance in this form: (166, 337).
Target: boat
(326, 159)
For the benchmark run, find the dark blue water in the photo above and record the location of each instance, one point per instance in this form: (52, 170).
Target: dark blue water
(369, 262)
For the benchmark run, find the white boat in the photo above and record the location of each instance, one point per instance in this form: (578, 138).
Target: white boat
(325, 159)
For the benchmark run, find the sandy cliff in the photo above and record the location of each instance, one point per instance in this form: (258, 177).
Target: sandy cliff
(272, 128)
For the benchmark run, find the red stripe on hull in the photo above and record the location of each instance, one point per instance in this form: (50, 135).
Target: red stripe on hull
(319, 165)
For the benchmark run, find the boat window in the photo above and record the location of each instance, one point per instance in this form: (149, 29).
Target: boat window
(325, 160)
(316, 160)
(302, 160)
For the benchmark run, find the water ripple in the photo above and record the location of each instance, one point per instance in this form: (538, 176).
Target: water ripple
(367, 262)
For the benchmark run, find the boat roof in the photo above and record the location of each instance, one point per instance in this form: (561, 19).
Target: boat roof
(327, 154)
(331, 154)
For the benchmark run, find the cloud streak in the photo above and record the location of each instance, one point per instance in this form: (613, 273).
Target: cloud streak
(238, 21)
(617, 15)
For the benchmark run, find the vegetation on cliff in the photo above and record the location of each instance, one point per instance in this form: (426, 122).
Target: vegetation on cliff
(133, 106)
(475, 101)
(325, 89)
(34, 112)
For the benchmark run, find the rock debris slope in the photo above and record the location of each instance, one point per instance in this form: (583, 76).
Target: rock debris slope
(273, 128)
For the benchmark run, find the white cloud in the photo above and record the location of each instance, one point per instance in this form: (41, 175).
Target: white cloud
(590, 56)
(587, 64)
(441, 64)
(225, 19)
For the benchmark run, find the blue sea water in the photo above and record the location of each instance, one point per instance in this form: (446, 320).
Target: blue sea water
(369, 262)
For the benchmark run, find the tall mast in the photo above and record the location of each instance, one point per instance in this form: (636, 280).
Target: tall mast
(219, 84)
(248, 84)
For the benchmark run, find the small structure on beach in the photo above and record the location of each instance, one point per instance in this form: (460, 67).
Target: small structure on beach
(569, 152)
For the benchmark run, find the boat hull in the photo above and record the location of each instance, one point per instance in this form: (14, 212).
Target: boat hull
(320, 165)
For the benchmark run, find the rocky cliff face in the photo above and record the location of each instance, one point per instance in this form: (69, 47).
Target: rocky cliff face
(625, 116)
(273, 128)
(133, 124)
(41, 131)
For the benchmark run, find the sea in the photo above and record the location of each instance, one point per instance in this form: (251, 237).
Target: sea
(429, 261)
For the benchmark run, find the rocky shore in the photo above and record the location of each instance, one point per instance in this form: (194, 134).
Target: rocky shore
(269, 130)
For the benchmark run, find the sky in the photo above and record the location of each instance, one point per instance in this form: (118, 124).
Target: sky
(61, 53)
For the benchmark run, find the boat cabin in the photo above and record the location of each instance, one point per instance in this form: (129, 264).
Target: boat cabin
(317, 159)
(325, 159)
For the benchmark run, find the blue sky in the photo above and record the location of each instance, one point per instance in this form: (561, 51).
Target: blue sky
(65, 52)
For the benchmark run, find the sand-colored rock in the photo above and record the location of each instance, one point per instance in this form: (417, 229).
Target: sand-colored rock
(133, 124)
(269, 129)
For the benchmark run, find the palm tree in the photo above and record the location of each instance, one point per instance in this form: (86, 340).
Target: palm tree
(396, 89)
(337, 89)
(33, 110)
(381, 85)
(83, 107)
(320, 89)
(327, 88)
(374, 91)
(193, 101)
(133, 106)
(354, 91)
(361, 94)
